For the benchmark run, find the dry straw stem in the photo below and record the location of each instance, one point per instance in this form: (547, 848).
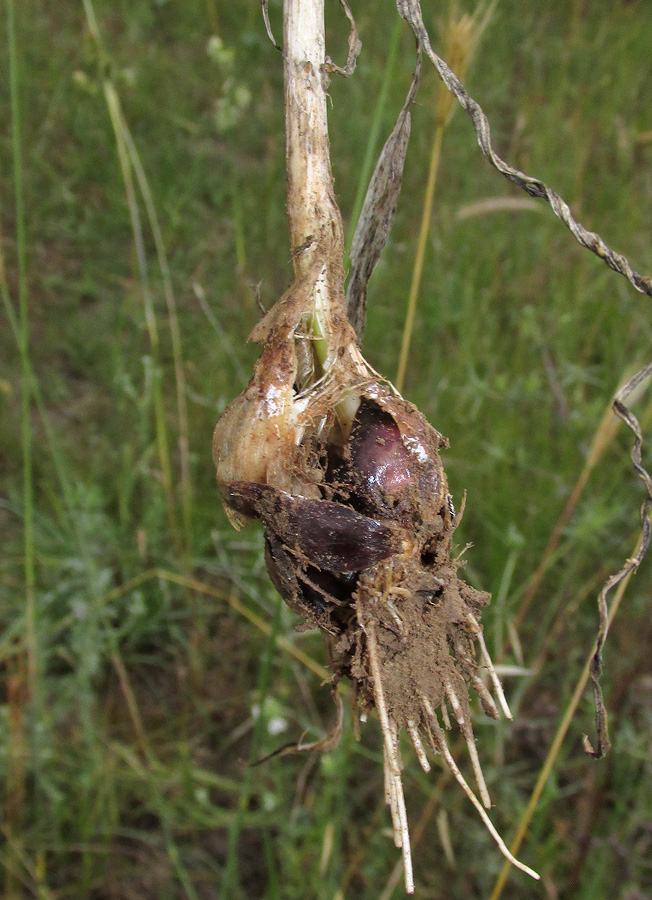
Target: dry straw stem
(619, 411)
(630, 565)
(131, 165)
(462, 36)
(119, 125)
(23, 676)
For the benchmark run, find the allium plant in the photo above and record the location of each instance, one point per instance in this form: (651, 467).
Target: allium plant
(347, 478)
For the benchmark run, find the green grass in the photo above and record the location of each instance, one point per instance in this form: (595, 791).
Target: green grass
(133, 688)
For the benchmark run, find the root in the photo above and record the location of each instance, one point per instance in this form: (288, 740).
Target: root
(392, 765)
(442, 747)
(495, 680)
(426, 725)
(469, 737)
(486, 700)
(485, 697)
(418, 746)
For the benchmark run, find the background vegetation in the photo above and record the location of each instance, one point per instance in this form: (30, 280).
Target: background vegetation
(145, 656)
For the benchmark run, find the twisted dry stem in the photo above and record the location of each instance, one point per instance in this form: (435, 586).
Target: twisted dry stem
(410, 10)
(623, 411)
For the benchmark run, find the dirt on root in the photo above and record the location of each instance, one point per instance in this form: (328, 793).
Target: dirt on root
(420, 616)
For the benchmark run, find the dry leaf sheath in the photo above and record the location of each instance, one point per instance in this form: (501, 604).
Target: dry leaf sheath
(348, 481)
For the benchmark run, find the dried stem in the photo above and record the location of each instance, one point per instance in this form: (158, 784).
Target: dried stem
(316, 231)
(312, 211)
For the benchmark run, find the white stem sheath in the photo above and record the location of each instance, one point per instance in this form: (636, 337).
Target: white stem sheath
(311, 203)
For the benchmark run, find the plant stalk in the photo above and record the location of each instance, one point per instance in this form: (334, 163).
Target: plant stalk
(311, 201)
(316, 230)
(417, 271)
